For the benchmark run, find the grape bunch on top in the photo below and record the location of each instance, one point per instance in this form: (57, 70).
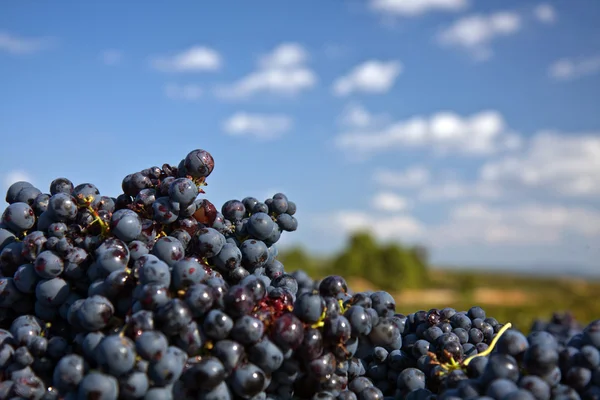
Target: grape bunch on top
(156, 294)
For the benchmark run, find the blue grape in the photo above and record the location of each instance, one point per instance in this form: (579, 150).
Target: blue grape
(48, 264)
(200, 299)
(260, 225)
(126, 225)
(247, 380)
(217, 324)
(18, 217)
(183, 191)
(209, 242)
(68, 373)
(94, 312)
(254, 254)
(116, 354)
(98, 386)
(199, 163)
(61, 185)
(168, 368)
(169, 250)
(14, 189)
(27, 195)
(134, 385)
(233, 210)
(154, 270)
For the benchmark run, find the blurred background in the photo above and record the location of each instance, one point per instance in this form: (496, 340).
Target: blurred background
(447, 151)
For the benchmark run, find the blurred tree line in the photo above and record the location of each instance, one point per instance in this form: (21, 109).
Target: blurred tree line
(388, 266)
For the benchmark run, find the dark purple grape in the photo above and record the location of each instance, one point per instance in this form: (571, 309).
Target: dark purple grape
(229, 258)
(18, 217)
(260, 225)
(14, 189)
(209, 242)
(217, 324)
(247, 380)
(154, 270)
(40, 203)
(172, 317)
(27, 195)
(126, 225)
(187, 272)
(260, 207)
(48, 264)
(61, 185)
(133, 386)
(62, 207)
(239, 301)
(26, 278)
(137, 249)
(286, 281)
(247, 330)
(233, 210)
(312, 344)
(204, 375)
(28, 387)
(133, 183)
(199, 298)
(169, 250)
(110, 260)
(287, 332)
(333, 285)
(153, 295)
(96, 385)
(230, 353)
(151, 345)
(68, 373)
(94, 313)
(52, 292)
(168, 368)
(287, 222)
(254, 254)
(199, 163)
(383, 303)
(183, 191)
(309, 307)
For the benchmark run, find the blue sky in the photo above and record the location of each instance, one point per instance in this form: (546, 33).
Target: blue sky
(470, 126)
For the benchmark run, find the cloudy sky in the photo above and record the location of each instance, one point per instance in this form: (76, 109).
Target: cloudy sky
(470, 126)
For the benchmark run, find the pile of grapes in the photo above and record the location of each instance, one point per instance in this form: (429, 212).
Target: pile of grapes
(155, 294)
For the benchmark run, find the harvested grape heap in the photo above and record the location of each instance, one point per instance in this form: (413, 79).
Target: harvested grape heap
(155, 294)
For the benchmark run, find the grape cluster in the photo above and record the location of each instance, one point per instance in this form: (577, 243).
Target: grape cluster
(156, 294)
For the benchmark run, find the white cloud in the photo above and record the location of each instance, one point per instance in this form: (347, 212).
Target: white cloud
(474, 33)
(411, 8)
(568, 69)
(283, 72)
(458, 190)
(261, 126)
(111, 57)
(444, 132)
(21, 45)
(187, 92)
(478, 223)
(196, 58)
(10, 177)
(545, 13)
(384, 227)
(17, 175)
(355, 116)
(389, 202)
(564, 164)
(414, 176)
(372, 76)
